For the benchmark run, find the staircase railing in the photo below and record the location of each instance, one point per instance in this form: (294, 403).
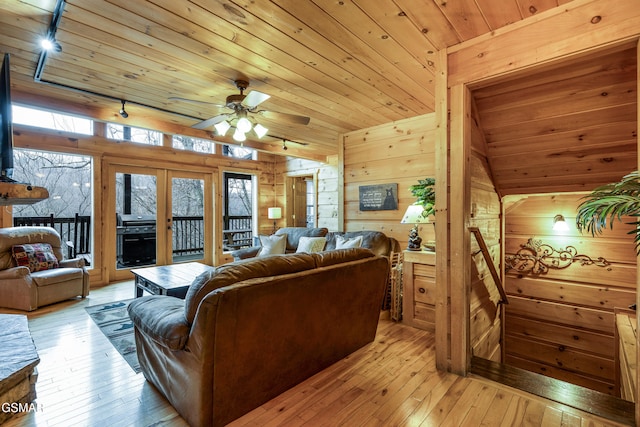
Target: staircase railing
(487, 257)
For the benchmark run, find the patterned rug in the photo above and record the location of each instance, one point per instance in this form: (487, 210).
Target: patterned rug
(114, 322)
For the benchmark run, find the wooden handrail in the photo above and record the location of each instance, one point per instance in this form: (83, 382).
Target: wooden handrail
(485, 252)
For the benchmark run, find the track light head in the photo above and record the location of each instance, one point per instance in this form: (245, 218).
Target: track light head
(284, 145)
(51, 44)
(122, 112)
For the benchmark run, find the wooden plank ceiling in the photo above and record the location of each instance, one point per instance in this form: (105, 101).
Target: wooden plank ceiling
(346, 65)
(568, 128)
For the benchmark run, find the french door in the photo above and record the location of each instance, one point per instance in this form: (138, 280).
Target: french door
(161, 217)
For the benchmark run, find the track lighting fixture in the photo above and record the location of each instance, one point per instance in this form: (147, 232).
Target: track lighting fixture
(284, 145)
(51, 45)
(123, 113)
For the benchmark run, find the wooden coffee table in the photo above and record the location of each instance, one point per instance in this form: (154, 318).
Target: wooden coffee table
(172, 280)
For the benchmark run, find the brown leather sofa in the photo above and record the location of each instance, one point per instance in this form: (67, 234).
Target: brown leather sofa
(249, 330)
(376, 241)
(23, 289)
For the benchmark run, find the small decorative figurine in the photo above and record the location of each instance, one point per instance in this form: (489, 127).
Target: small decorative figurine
(415, 240)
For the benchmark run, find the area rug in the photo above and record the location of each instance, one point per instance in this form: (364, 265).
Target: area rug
(114, 322)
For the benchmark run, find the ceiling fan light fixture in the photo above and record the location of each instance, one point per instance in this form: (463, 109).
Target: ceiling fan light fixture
(260, 130)
(239, 136)
(222, 127)
(243, 125)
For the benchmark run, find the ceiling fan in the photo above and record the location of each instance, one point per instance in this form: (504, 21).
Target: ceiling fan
(241, 107)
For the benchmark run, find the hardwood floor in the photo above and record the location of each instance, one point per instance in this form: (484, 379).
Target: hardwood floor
(83, 381)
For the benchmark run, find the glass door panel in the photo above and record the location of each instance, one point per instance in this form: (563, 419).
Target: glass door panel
(187, 219)
(136, 219)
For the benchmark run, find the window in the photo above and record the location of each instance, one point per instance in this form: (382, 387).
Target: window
(188, 143)
(311, 203)
(238, 152)
(237, 213)
(50, 120)
(68, 179)
(139, 135)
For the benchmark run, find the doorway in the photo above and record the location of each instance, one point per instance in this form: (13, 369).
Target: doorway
(161, 217)
(301, 193)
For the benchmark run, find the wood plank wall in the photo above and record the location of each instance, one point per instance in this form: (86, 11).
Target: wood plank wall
(485, 318)
(561, 323)
(400, 152)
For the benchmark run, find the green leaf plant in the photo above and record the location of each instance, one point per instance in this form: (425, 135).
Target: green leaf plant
(609, 203)
(425, 195)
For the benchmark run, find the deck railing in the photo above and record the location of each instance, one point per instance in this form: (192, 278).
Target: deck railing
(188, 232)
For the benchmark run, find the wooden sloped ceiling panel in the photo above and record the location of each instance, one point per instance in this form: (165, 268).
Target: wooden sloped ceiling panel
(568, 128)
(348, 65)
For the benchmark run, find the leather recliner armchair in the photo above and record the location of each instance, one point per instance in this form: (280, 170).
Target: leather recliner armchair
(24, 289)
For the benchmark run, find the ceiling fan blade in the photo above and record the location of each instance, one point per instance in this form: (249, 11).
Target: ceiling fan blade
(255, 98)
(194, 101)
(210, 122)
(285, 117)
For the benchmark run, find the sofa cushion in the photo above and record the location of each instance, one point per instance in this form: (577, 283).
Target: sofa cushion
(272, 245)
(55, 276)
(162, 319)
(345, 242)
(36, 256)
(238, 271)
(294, 234)
(327, 258)
(311, 244)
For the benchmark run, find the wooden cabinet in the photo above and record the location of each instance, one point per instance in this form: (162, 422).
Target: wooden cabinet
(419, 289)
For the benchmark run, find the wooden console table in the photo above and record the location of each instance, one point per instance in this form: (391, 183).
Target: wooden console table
(18, 360)
(419, 289)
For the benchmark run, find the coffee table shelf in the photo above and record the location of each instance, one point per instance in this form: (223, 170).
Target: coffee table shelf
(172, 280)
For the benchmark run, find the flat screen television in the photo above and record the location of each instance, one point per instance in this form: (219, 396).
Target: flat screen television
(6, 123)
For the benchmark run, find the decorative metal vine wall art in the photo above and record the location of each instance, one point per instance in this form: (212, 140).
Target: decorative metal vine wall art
(538, 257)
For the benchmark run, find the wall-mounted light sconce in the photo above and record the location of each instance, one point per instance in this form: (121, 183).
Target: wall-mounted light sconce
(274, 213)
(559, 224)
(122, 112)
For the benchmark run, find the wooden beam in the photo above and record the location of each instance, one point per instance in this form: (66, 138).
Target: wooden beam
(460, 238)
(443, 320)
(534, 41)
(637, 412)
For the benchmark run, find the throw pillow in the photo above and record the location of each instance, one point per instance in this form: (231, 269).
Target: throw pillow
(311, 244)
(345, 243)
(273, 245)
(36, 256)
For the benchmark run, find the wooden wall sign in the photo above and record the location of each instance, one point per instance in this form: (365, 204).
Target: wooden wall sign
(382, 197)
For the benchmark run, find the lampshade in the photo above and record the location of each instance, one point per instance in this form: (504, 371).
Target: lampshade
(413, 215)
(260, 130)
(243, 125)
(274, 213)
(239, 136)
(222, 127)
(559, 224)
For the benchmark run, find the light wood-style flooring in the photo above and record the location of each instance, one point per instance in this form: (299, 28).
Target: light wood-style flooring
(83, 381)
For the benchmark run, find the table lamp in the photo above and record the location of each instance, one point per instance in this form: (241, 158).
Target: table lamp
(274, 213)
(414, 216)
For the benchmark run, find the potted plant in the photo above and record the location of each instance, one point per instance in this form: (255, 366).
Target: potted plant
(611, 202)
(425, 195)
